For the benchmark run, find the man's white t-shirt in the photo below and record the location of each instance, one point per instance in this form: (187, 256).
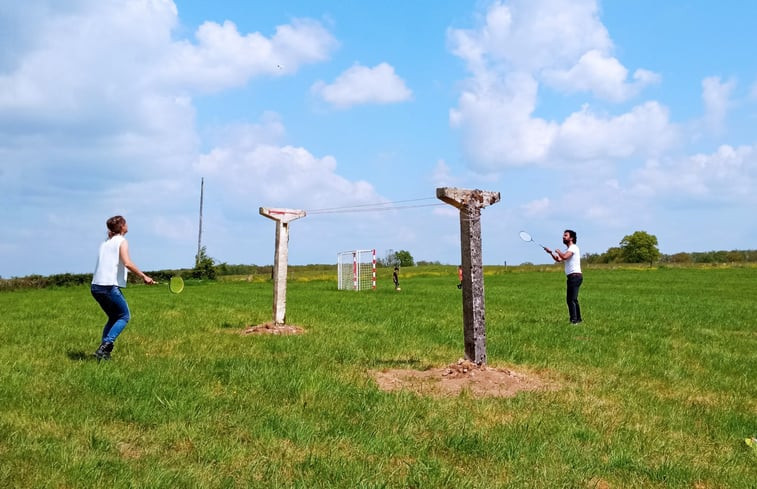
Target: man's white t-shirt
(573, 264)
(109, 269)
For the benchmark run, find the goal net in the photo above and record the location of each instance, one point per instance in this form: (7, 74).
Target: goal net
(356, 270)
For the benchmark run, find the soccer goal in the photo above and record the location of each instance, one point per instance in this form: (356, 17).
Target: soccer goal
(356, 270)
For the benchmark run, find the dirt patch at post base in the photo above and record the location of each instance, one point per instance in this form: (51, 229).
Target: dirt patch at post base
(273, 328)
(463, 375)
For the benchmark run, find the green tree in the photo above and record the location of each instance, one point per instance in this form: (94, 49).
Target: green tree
(681, 257)
(204, 266)
(405, 258)
(734, 256)
(613, 255)
(590, 258)
(401, 258)
(389, 260)
(640, 247)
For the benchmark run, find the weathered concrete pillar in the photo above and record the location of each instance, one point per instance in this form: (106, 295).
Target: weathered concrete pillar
(282, 218)
(470, 203)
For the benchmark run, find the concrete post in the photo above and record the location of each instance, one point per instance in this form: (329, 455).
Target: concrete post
(282, 218)
(470, 203)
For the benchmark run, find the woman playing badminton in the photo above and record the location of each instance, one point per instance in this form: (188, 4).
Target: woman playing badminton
(109, 278)
(572, 258)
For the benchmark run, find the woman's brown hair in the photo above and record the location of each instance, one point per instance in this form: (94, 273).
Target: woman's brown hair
(115, 225)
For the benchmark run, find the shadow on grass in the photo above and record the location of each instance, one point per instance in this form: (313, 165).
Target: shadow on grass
(79, 356)
(396, 362)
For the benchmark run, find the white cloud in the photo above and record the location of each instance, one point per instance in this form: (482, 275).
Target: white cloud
(246, 136)
(91, 55)
(441, 175)
(498, 130)
(249, 166)
(531, 35)
(646, 129)
(97, 115)
(536, 208)
(111, 74)
(113, 54)
(593, 153)
(224, 58)
(728, 174)
(602, 75)
(362, 85)
(716, 96)
(562, 43)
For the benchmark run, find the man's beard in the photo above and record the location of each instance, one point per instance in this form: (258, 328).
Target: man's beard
(565, 242)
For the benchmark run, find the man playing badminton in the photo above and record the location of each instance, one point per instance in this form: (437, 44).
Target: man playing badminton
(572, 258)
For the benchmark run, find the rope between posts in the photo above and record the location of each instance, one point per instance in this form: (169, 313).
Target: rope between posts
(375, 207)
(384, 206)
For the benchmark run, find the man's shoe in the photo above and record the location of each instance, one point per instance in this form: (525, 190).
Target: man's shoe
(576, 322)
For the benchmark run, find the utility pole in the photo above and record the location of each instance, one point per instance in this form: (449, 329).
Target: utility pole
(199, 234)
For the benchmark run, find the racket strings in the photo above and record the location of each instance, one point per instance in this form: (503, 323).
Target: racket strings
(176, 284)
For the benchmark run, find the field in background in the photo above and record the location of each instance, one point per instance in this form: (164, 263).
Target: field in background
(656, 387)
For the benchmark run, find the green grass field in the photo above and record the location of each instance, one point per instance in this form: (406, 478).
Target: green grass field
(656, 388)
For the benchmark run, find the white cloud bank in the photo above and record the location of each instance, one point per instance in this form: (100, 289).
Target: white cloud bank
(729, 174)
(223, 58)
(97, 117)
(716, 96)
(252, 163)
(560, 44)
(614, 163)
(110, 75)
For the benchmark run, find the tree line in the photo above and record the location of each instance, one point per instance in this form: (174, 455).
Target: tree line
(641, 247)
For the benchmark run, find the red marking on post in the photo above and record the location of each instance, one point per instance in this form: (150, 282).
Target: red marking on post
(373, 274)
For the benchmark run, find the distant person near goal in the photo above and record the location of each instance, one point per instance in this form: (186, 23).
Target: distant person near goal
(396, 278)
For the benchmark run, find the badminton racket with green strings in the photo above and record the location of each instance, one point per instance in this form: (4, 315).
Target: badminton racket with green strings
(175, 284)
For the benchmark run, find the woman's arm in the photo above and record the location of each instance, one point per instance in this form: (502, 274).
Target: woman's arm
(123, 252)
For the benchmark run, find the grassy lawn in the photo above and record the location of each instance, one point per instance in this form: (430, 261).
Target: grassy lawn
(656, 388)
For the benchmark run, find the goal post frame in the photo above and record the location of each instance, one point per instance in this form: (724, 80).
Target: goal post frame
(356, 270)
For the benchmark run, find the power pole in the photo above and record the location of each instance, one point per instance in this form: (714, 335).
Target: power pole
(199, 234)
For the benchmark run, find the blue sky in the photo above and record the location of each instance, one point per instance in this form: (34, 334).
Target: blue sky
(602, 117)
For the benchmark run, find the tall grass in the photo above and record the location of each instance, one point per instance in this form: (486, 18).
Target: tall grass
(656, 387)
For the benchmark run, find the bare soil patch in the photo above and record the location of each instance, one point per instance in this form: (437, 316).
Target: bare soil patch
(463, 375)
(273, 328)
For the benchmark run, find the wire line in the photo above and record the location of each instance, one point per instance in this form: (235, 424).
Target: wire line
(374, 209)
(378, 206)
